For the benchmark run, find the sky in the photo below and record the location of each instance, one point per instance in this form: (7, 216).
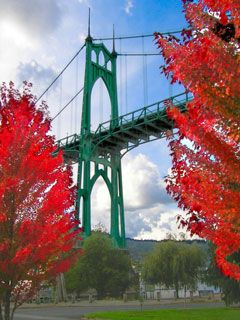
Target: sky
(39, 37)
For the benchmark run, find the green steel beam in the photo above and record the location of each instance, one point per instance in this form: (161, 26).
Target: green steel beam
(104, 146)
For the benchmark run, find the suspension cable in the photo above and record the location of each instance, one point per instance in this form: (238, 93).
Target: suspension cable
(136, 36)
(67, 65)
(66, 105)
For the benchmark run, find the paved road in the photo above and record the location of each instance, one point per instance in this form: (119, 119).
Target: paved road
(76, 312)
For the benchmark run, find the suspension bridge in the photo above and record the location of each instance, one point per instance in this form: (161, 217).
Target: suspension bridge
(98, 152)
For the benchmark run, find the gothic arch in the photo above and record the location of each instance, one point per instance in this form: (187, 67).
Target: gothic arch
(103, 174)
(101, 104)
(106, 85)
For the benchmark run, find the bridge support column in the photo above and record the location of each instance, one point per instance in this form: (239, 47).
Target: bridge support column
(121, 208)
(106, 70)
(117, 209)
(86, 214)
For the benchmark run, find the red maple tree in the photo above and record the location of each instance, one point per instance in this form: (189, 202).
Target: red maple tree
(205, 177)
(37, 225)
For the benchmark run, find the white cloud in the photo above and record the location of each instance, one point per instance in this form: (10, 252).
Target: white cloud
(87, 3)
(37, 17)
(149, 212)
(100, 205)
(12, 32)
(128, 7)
(143, 186)
(25, 28)
(35, 73)
(82, 37)
(161, 220)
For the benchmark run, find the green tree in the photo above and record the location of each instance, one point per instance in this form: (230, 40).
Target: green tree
(102, 267)
(74, 279)
(230, 288)
(174, 264)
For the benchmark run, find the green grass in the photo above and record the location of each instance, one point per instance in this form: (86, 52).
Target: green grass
(191, 314)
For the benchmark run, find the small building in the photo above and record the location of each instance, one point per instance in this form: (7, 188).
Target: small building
(158, 292)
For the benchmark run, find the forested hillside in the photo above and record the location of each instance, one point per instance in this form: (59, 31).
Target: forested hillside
(138, 248)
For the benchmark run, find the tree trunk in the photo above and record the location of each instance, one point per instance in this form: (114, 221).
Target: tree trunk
(7, 300)
(12, 313)
(177, 289)
(101, 293)
(61, 288)
(185, 294)
(1, 315)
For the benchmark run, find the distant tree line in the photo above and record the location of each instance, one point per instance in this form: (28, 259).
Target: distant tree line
(173, 264)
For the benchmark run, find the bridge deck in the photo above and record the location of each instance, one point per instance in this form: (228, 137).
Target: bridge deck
(127, 131)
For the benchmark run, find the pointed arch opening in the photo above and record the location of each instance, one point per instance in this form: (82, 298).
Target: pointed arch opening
(101, 59)
(93, 56)
(109, 65)
(100, 205)
(100, 104)
(119, 221)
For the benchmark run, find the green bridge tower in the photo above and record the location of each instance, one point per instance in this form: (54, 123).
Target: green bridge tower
(91, 163)
(99, 153)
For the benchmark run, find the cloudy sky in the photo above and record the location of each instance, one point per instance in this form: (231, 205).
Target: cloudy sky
(39, 37)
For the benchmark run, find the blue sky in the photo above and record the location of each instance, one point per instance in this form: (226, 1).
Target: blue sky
(38, 38)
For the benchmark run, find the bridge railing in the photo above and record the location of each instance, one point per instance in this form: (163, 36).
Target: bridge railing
(72, 139)
(143, 112)
(128, 118)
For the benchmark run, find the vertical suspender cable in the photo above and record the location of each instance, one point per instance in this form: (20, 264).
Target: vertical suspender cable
(121, 80)
(76, 100)
(146, 79)
(63, 70)
(72, 118)
(144, 74)
(126, 85)
(59, 109)
(72, 113)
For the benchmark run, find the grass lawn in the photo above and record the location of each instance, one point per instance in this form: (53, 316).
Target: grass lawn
(191, 314)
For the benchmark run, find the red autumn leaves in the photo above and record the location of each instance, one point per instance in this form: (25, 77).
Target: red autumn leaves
(36, 199)
(205, 178)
